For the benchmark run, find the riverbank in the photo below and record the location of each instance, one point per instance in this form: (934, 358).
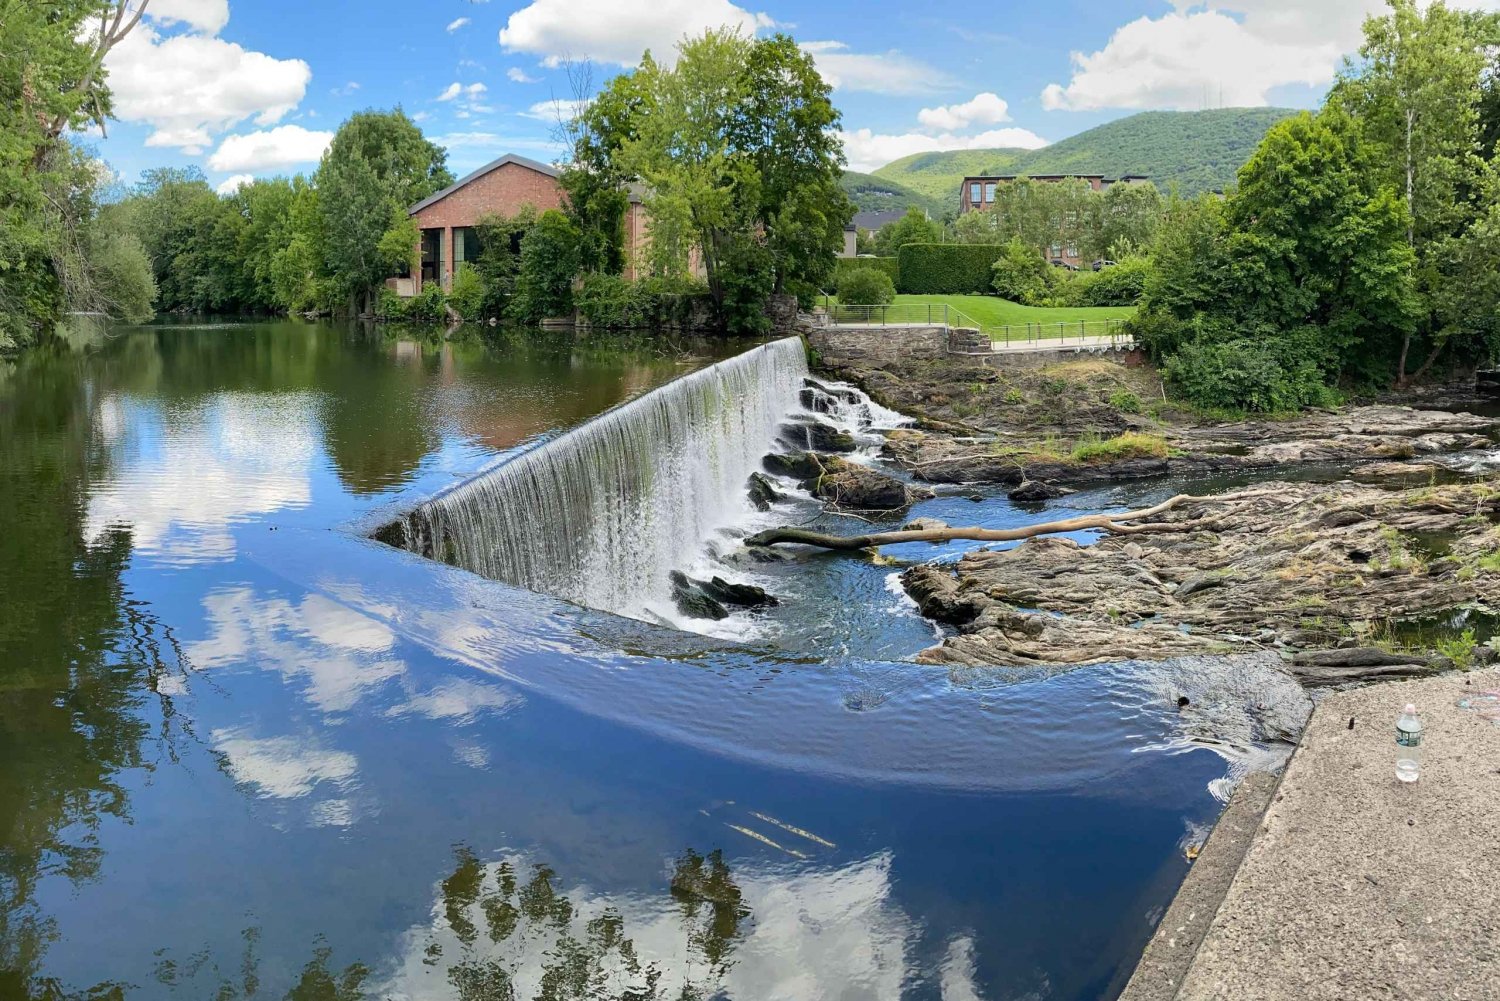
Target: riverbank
(1353, 886)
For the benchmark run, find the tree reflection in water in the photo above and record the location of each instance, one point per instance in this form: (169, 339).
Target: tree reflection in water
(580, 957)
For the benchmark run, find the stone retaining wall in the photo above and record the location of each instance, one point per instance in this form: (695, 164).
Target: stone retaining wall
(866, 346)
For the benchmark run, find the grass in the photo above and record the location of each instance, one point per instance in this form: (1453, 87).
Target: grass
(992, 312)
(1130, 445)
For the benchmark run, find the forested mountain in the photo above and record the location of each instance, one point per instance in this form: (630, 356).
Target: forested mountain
(1196, 150)
(881, 194)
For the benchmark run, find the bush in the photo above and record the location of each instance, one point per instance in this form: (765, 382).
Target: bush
(891, 266)
(549, 263)
(866, 287)
(1125, 401)
(1022, 275)
(747, 278)
(1246, 375)
(427, 306)
(1118, 285)
(610, 301)
(390, 305)
(948, 268)
(467, 296)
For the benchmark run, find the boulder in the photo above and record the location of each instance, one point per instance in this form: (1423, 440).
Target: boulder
(935, 591)
(795, 465)
(854, 487)
(924, 525)
(693, 601)
(815, 436)
(1037, 490)
(762, 493)
(739, 595)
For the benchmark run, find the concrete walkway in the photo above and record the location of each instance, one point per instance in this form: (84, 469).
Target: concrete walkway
(1356, 887)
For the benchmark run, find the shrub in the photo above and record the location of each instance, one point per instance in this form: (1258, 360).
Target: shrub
(1021, 274)
(426, 306)
(948, 268)
(866, 287)
(549, 263)
(1118, 285)
(1125, 401)
(390, 305)
(611, 301)
(467, 296)
(747, 278)
(891, 266)
(1246, 375)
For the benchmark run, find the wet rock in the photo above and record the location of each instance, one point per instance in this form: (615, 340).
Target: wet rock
(924, 525)
(692, 601)
(853, 487)
(762, 493)
(936, 593)
(1037, 490)
(795, 465)
(815, 436)
(739, 595)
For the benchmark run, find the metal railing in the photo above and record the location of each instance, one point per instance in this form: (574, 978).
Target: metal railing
(1108, 332)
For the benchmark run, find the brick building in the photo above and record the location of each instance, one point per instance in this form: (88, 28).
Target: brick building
(448, 220)
(977, 193)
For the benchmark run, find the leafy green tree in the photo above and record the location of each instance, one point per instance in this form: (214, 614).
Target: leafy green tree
(865, 286)
(549, 263)
(378, 164)
(913, 227)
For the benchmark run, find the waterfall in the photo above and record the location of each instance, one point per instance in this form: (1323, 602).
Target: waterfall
(601, 514)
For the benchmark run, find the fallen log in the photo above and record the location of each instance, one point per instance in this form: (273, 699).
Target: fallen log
(1114, 524)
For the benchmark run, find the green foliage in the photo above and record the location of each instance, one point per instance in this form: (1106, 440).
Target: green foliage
(1246, 375)
(889, 266)
(936, 268)
(879, 194)
(467, 293)
(427, 306)
(747, 281)
(1021, 275)
(613, 302)
(1193, 152)
(1125, 401)
(378, 164)
(913, 227)
(866, 287)
(1130, 445)
(549, 263)
(1459, 649)
(1121, 284)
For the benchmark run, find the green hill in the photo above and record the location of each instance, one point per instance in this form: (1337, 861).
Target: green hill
(1197, 150)
(882, 194)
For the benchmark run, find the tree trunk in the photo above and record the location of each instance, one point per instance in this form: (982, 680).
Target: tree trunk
(1114, 524)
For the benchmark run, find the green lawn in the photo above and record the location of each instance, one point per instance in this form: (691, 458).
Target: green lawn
(992, 311)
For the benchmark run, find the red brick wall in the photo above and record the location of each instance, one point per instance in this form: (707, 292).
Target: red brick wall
(503, 191)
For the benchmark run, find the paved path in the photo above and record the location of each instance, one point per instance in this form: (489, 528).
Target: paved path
(1070, 344)
(1356, 887)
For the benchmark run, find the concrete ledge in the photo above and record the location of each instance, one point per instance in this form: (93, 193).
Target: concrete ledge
(1175, 942)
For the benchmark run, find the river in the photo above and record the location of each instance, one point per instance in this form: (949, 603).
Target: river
(249, 751)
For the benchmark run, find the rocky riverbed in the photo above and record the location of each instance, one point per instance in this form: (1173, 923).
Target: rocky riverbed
(1323, 574)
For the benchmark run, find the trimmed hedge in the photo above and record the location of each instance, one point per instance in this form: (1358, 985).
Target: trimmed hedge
(846, 265)
(947, 268)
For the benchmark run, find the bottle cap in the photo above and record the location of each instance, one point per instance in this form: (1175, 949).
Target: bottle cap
(1411, 709)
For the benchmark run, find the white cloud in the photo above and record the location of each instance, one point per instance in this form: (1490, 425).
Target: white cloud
(518, 75)
(207, 16)
(191, 87)
(877, 73)
(1189, 61)
(553, 110)
(868, 150)
(617, 31)
(346, 90)
(232, 184)
(456, 89)
(981, 109)
(283, 767)
(279, 147)
(457, 23)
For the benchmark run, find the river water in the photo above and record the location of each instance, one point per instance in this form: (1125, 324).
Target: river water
(251, 753)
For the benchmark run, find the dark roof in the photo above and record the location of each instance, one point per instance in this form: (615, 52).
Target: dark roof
(1052, 177)
(874, 220)
(521, 161)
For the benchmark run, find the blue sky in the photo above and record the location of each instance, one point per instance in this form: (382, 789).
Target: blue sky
(255, 87)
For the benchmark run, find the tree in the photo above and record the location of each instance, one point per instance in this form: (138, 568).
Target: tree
(913, 227)
(377, 166)
(549, 263)
(1021, 274)
(1416, 91)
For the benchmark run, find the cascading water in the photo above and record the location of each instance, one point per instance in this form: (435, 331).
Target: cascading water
(602, 514)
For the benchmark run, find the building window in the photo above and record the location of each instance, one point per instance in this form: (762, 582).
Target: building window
(1056, 251)
(974, 196)
(989, 191)
(1072, 251)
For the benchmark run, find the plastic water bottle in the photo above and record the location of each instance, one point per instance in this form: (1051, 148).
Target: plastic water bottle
(1408, 744)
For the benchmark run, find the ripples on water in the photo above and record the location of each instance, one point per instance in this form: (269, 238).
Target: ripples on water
(249, 746)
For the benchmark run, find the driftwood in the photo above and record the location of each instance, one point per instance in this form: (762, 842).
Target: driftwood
(1113, 524)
